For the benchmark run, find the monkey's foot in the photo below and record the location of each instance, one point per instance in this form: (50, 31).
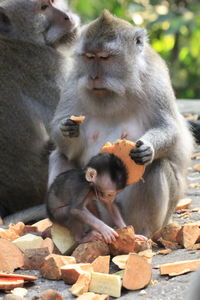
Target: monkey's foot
(91, 237)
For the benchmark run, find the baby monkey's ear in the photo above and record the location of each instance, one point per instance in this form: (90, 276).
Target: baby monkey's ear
(91, 175)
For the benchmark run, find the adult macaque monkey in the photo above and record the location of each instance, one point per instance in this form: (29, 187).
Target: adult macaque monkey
(123, 88)
(30, 70)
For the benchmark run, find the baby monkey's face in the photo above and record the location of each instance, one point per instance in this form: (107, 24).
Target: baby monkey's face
(107, 196)
(106, 189)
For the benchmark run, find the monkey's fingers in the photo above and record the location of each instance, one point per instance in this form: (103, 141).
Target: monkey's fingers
(68, 122)
(65, 127)
(143, 160)
(142, 155)
(70, 133)
(110, 235)
(70, 130)
(142, 149)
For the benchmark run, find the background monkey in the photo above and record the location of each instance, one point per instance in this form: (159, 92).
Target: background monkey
(102, 179)
(30, 70)
(123, 88)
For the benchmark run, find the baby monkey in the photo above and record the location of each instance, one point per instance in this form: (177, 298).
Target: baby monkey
(72, 191)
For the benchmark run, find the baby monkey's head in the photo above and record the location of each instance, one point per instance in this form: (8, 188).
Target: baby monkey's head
(108, 174)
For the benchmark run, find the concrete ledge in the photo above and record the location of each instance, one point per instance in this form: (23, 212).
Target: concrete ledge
(189, 105)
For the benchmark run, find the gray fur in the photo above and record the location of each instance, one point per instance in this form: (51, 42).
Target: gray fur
(30, 77)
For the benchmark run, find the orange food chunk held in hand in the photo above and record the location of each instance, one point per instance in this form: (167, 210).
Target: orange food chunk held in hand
(122, 148)
(77, 119)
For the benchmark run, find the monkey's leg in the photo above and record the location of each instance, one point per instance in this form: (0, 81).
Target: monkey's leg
(147, 205)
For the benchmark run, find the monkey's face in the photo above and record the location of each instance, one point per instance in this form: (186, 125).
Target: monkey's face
(106, 188)
(38, 21)
(108, 54)
(100, 74)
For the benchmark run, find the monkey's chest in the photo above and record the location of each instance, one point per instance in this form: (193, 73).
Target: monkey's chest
(97, 133)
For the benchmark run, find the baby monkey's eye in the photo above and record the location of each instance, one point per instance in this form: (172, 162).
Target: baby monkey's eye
(110, 195)
(44, 6)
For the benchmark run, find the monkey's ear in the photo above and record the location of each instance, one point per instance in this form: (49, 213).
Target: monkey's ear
(91, 175)
(5, 24)
(140, 36)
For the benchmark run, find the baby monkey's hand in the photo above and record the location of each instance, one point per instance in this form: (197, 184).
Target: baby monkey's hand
(109, 234)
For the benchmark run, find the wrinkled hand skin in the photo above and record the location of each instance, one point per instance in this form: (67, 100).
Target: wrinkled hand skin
(142, 154)
(109, 234)
(69, 128)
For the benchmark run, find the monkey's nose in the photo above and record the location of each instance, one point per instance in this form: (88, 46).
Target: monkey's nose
(94, 77)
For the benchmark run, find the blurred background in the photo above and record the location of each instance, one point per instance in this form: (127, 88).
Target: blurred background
(174, 32)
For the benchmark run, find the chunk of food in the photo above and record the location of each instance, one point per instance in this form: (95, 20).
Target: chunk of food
(7, 283)
(28, 241)
(24, 277)
(122, 148)
(188, 235)
(11, 257)
(105, 283)
(101, 264)
(50, 295)
(50, 268)
(184, 203)
(88, 252)
(77, 119)
(63, 239)
(13, 232)
(82, 284)
(33, 258)
(137, 272)
(71, 273)
(124, 243)
(180, 267)
(93, 296)
(43, 224)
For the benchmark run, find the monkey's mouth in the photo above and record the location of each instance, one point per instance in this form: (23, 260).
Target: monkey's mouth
(67, 39)
(99, 92)
(99, 89)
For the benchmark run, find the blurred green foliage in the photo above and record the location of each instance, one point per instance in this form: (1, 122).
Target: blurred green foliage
(174, 32)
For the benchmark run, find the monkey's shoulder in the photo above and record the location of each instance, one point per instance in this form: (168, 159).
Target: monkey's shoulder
(72, 180)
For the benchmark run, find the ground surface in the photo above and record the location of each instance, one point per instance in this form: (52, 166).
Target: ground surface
(175, 288)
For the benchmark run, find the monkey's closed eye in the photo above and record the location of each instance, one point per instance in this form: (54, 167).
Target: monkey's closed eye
(104, 57)
(90, 55)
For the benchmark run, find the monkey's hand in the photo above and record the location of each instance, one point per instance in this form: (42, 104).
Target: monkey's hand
(108, 233)
(69, 128)
(143, 153)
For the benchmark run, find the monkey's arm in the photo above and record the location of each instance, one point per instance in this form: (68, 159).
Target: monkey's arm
(115, 215)
(88, 218)
(68, 135)
(156, 143)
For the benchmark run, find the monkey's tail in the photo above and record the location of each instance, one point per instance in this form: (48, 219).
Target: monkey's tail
(28, 215)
